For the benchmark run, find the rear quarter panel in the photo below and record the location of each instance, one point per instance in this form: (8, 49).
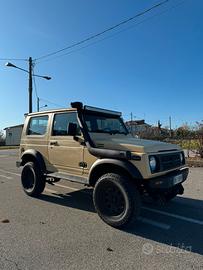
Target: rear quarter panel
(36, 142)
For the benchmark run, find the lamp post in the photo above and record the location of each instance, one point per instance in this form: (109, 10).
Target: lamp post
(30, 73)
(43, 106)
(38, 107)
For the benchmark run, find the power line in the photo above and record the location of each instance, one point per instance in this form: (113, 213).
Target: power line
(36, 93)
(104, 31)
(50, 102)
(13, 59)
(35, 86)
(111, 36)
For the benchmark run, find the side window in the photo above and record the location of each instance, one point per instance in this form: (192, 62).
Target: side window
(37, 125)
(61, 123)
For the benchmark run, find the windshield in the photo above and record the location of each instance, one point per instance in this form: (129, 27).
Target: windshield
(101, 123)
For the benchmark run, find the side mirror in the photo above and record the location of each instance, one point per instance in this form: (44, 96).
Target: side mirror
(72, 129)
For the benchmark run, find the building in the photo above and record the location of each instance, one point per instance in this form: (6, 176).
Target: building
(137, 126)
(13, 135)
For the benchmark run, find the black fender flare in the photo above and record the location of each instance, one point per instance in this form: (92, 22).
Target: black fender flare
(122, 164)
(33, 155)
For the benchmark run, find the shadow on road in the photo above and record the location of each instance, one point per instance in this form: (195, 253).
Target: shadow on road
(182, 234)
(80, 199)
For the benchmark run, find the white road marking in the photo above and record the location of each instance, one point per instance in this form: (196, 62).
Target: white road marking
(196, 221)
(4, 176)
(9, 172)
(154, 223)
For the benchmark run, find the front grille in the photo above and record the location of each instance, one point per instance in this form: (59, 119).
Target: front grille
(169, 161)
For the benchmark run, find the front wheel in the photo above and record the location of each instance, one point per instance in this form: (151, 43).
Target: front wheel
(116, 200)
(32, 179)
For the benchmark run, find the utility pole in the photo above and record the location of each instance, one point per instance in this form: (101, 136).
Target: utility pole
(30, 84)
(38, 104)
(131, 120)
(159, 125)
(170, 126)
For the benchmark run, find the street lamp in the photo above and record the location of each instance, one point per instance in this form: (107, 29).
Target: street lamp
(43, 106)
(38, 107)
(30, 78)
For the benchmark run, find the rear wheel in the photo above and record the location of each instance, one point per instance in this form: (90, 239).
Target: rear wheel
(116, 200)
(32, 179)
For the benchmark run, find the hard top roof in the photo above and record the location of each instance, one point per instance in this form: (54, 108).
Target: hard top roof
(51, 111)
(85, 108)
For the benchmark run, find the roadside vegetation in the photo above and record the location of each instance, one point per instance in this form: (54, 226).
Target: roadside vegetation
(2, 138)
(190, 138)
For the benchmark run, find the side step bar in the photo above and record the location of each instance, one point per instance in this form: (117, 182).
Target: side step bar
(68, 177)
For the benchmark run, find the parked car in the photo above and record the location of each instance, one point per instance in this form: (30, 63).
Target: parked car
(92, 146)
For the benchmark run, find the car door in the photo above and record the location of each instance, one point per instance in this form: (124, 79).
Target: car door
(65, 154)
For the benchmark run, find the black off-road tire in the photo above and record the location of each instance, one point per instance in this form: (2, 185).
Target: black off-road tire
(116, 200)
(32, 179)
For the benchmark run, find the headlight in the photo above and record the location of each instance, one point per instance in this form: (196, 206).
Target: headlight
(152, 163)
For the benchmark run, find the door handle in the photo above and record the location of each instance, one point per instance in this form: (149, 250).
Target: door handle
(53, 143)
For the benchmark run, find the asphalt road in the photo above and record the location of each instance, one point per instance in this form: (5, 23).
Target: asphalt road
(62, 231)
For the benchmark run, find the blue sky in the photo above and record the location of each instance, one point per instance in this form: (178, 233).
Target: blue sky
(153, 69)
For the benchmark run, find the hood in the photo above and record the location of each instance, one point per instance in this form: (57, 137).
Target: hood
(128, 143)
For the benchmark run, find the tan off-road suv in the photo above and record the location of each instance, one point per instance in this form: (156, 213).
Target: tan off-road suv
(92, 146)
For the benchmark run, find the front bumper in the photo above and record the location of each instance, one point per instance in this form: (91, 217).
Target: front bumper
(168, 180)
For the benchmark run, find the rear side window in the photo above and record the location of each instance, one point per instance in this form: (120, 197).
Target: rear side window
(61, 123)
(37, 125)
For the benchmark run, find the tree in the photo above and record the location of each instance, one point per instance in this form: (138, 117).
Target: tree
(199, 132)
(185, 132)
(2, 138)
(187, 137)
